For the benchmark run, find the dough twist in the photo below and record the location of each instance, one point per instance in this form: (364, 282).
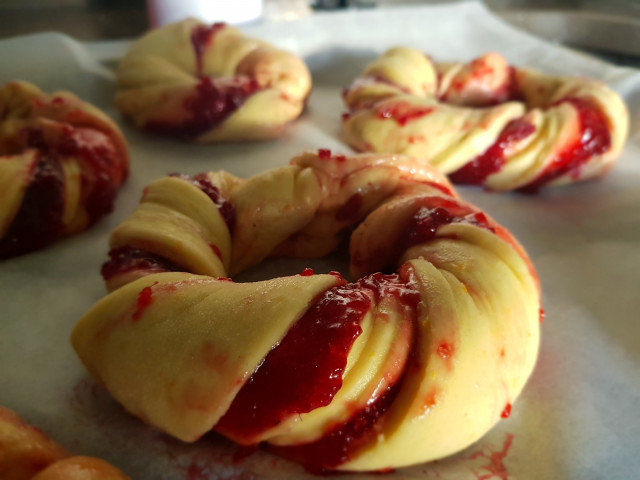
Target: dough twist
(352, 376)
(28, 454)
(210, 83)
(486, 122)
(61, 163)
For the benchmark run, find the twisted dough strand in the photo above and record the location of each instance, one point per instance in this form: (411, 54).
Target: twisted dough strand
(486, 122)
(358, 376)
(210, 83)
(61, 163)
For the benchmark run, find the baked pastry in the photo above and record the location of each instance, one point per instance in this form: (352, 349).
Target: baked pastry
(352, 376)
(61, 163)
(486, 122)
(28, 454)
(210, 83)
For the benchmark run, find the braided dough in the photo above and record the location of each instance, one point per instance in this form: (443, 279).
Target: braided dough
(486, 122)
(61, 163)
(391, 370)
(209, 83)
(28, 454)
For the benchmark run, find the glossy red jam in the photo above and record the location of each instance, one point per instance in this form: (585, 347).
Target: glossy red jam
(201, 37)
(145, 298)
(203, 182)
(211, 103)
(506, 412)
(492, 160)
(402, 112)
(39, 219)
(128, 259)
(594, 138)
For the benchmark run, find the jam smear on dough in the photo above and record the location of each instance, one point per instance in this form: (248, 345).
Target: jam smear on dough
(492, 160)
(594, 138)
(201, 37)
(211, 103)
(129, 259)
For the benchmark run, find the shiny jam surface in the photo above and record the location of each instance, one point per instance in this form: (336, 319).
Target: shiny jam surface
(39, 219)
(492, 160)
(128, 259)
(211, 103)
(594, 138)
(203, 182)
(305, 370)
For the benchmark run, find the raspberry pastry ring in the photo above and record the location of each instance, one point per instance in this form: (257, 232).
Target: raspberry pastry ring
(28, 454)
(61, 163)
(209, 83)
(335, 375)
(486, 122)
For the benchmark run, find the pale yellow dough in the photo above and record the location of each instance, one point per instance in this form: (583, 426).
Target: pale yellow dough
(175, 348)
(469, 108)
(162, 72)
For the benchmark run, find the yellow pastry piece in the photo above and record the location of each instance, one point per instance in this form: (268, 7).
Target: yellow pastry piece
(26, 453)
(61, 163)
(210, 83)
(396, 368)
(486, 122)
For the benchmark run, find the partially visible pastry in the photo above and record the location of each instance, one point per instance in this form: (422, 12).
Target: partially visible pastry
(26, 453)
(486, 122)
(61, 163)
(210, 83)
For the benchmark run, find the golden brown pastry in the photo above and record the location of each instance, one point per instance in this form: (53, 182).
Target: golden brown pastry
(393, 369)
(210, 83)
(26, 453)
(61, 163)
(486, 122)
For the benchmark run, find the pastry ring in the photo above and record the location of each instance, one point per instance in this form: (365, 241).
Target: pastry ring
(210, 83)
(485, 122)
(61, 163)
(335, 375)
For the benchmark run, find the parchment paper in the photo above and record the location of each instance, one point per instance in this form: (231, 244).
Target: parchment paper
(578, 416)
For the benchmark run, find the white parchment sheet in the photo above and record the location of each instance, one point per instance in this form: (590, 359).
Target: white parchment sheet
(578, 417)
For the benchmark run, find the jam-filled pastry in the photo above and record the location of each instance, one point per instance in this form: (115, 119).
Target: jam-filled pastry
(486, 122)
(26, 453)
(61, 163)
(393, 369)
(210, 83)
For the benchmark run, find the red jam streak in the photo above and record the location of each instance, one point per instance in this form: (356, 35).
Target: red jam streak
(542, 315)
(594, 138)
(145, 298)
(402, 112)
(445, 350)
(201, 37)
(39, 219)
(304, 371)
(307, 272)
(202, 181)
(350, 211)
(492, 160)
(326, 154)
(128, 259)
(506, 412)
(211, 103)
(495, 469)
(337, 445)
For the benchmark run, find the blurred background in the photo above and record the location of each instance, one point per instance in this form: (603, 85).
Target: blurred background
(608, 28)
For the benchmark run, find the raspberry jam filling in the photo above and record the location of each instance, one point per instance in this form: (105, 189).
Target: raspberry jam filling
(304, 371)
(39, 219)
(340, 441)
(492, 160)
(211, 103)
(201, 37)
(129, 259)
(202, 181)
(594, 138)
